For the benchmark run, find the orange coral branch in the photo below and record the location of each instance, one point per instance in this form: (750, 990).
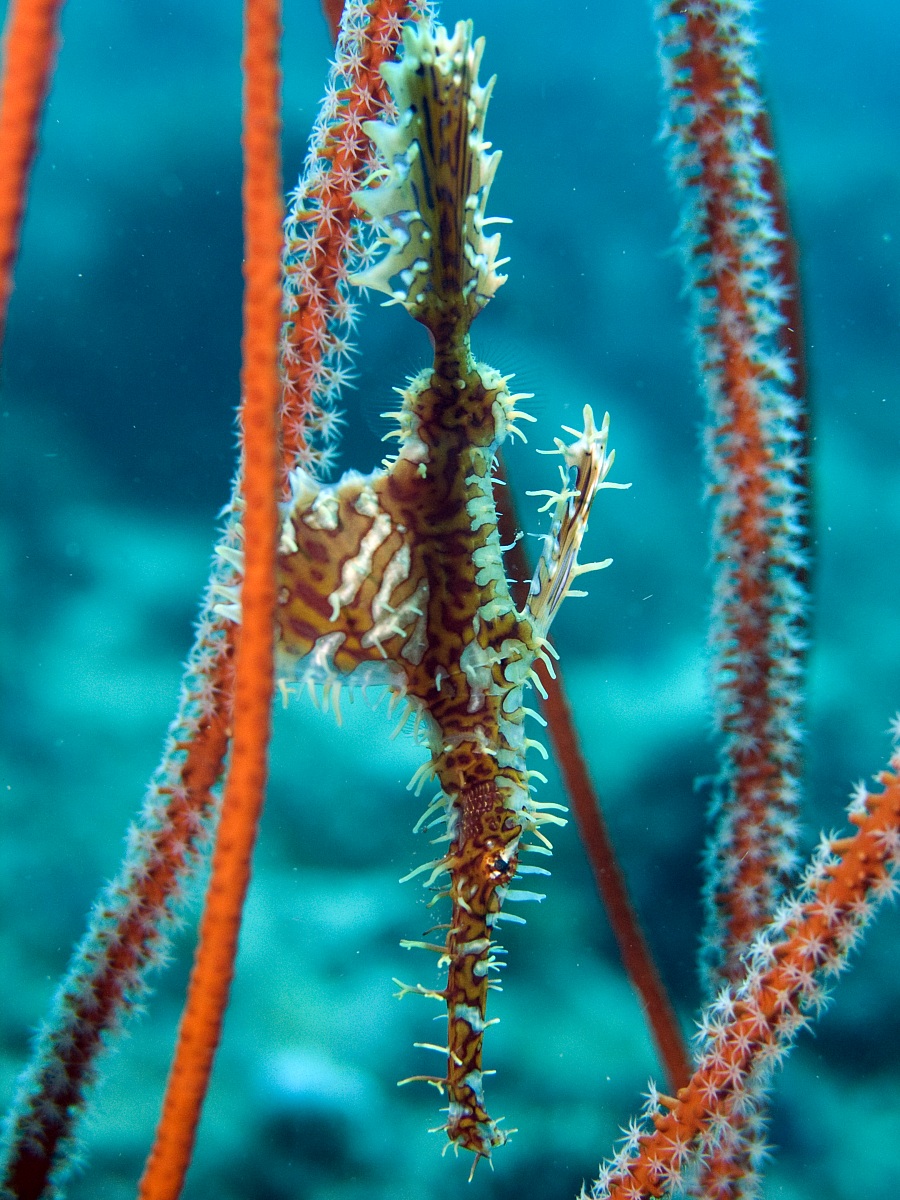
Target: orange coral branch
(127, 932)
(322, 244)
(30, 44)
(637, 958)
(332, 9)
(743, 277)
(792, 338)
(750, 1028)
(208, 990)
(731, 242)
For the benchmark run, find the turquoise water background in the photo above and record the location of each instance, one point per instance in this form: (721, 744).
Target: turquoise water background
(117, 400)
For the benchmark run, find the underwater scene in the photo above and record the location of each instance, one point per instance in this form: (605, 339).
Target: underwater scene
(118, 393)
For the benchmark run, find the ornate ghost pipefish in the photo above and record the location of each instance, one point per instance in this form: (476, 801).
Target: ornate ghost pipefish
(398, 577)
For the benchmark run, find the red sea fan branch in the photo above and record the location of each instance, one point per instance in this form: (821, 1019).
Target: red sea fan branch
(750, 1027)
(208, 990)
(129, 925)
(734, 232)
(587, 809)
(732, 251)
(322, 235)
(29, 45)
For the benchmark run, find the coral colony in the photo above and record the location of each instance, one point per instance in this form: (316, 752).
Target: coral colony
(399, 579)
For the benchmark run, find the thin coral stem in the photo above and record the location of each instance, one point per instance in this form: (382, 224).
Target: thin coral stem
(637, 957)
(201, 1024)
(793, 330)
(332, 10)
(128, 928)
(743, 281)
(750, 1027)
(30, 40)
(792, 338)
(323, 232)
(754, 444)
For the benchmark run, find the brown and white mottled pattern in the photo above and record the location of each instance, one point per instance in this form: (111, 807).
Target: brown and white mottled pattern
(399, 576)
